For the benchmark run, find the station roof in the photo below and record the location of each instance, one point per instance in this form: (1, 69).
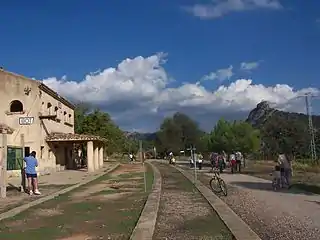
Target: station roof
(73, 137)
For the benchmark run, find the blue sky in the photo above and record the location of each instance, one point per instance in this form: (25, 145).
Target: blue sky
(278, 40)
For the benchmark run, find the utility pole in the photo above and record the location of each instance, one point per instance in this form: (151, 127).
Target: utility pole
(311, 129)
(144, 169)
(192, 149)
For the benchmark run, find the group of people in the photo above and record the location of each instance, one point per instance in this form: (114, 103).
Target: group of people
(220, 161)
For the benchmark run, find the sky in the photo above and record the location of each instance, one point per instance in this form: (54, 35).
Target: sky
(144, 60)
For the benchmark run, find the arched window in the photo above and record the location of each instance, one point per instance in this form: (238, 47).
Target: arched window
(49, 105)
(16, 106)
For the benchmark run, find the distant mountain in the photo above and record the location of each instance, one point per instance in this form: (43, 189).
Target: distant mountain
(263, 113)
(284, 131)
(141, 136)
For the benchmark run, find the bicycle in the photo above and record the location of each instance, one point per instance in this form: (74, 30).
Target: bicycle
(217, 184)
(280, 183)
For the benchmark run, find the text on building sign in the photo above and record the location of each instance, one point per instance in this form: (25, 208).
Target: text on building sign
(26, 120)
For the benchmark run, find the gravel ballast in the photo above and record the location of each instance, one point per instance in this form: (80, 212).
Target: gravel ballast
(183, 212)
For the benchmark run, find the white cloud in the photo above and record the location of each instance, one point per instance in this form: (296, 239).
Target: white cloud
(220, 75)
(137, 94)
(219, 8)
(248, 66)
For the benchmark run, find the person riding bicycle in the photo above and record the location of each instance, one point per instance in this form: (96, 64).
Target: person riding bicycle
(131, 157)
(170, 157)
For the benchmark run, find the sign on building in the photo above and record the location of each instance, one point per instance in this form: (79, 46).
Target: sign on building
(26, 120)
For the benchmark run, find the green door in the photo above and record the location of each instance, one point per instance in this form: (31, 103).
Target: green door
(14, 158)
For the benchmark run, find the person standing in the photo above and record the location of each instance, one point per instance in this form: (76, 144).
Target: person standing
(233, 163)
(285, 167)
(32, 176)
(238, 157)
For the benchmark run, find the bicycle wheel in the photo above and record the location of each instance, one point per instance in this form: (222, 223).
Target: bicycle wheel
(223, 187)
(215, 186)
(275, 185)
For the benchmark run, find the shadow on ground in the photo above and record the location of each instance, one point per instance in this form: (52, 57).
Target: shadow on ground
(266, 186)
(296, 188)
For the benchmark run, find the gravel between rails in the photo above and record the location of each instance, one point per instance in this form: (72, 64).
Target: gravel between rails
(183, 212)
(272, 215)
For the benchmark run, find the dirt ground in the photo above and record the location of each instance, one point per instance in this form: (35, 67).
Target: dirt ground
(304, 178)
(183, 212)
(107, 208)
(264, 210)
(48, 184)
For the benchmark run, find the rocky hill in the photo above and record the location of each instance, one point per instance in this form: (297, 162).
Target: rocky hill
(284, 131)
(264, 113)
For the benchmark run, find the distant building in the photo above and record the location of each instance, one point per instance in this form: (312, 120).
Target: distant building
(36, 118)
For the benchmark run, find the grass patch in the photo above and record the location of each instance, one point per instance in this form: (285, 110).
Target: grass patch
(204, 226)
(92, 216)
(23, 198)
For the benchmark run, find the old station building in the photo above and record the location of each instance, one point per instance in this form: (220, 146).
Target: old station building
(35, 118)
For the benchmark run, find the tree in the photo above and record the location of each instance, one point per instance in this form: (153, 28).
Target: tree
(100, 123)
(285, 135)
(80, 113)
(236, 136)
(221, 137)
(169, 136)
(247, 139)
(178, 133)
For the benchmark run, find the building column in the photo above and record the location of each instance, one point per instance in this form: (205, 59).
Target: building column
(96, 157)
(3, 166)
(101, 156)
(90, 156)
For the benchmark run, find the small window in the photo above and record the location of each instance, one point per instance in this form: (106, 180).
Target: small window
(41, 152)
(49, 105)
(42, 107)
(49, 153)
(65, 116)
(16, 106)
(56, 109)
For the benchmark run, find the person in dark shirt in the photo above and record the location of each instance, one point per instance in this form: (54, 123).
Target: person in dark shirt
(32, 176)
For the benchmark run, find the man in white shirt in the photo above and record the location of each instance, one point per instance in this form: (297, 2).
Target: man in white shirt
(131, 157)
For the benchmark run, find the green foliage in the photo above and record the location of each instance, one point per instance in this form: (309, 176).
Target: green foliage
(287, 135)
(236, 136)
(100, 123)
(178, 133)
(284, 132)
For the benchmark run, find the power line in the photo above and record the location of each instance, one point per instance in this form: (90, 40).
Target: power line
(313, 151)
(308, 100)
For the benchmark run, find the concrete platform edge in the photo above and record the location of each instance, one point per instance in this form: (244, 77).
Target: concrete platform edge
(239, 229)
(147, 221)
(26, 206)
